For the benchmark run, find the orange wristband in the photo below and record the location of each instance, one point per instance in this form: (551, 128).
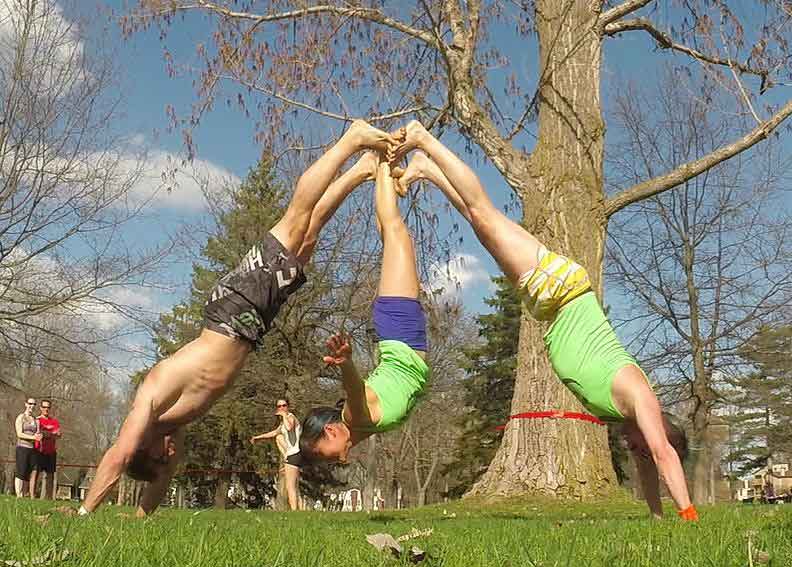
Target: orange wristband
(689, 514)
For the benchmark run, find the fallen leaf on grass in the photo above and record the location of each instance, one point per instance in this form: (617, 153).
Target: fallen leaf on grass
(51, 555)
(417, 554)
(65, 510)
(43, 519)
(386, 542)
(414, 533)
(762, 557)
(123, 515)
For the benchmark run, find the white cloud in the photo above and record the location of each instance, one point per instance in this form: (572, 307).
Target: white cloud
(51, 44)
(167, 182)
(107, 314)
(461, 272)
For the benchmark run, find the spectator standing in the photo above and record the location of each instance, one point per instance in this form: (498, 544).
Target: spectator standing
(27, 432)
(45, 455)
(287, 438)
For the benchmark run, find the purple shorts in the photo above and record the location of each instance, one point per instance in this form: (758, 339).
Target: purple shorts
(400, 319)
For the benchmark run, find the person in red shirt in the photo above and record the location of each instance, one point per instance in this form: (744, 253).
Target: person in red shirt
(46, 453)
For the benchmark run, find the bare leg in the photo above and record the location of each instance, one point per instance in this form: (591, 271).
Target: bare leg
(290, 229)
(292, 480)
(33, 482)
(364, 170)
(421, 167)
(513, 248)
(399, 275)
(48, 486)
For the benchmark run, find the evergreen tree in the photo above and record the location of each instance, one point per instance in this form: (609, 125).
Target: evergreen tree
(490, 367)
(762, 422)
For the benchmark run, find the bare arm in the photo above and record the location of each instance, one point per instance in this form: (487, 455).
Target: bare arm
(117, 458)
(155, 491)
(356, 407)
(19, 433)
(290, 421)
(650, 421)
(269, 435)
(650, 483)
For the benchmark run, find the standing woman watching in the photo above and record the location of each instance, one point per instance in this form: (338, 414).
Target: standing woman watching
(287, 439)
(27, 432)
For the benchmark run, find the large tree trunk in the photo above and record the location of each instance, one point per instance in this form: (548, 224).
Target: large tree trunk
(421, 496)
(565, 210)
(367, 494)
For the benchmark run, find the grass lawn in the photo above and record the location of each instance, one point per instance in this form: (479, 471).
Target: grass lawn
(466, 534)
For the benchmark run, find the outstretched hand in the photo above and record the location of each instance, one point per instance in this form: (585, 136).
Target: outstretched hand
(339, 349)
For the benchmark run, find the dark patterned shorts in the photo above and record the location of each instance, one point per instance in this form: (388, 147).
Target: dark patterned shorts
(244, 302)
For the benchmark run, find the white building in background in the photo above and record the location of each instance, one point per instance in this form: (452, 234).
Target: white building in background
(773, 482)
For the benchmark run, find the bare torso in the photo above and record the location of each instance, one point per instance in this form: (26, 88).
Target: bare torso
(184, 386)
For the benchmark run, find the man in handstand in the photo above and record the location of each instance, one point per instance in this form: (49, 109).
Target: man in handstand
(237, 315)
(387, 397)
(581, 344)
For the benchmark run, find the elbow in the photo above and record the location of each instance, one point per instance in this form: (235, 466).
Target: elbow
(665, 458)
(119, 458)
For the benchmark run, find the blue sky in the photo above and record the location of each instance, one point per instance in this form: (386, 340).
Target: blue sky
(225, 137)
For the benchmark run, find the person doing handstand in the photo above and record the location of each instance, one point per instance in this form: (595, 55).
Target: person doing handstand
(239, 312)
(581, 344)
(387, 397)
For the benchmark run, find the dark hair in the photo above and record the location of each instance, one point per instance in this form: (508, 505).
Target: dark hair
(313, 428)
(142, 467)
(676, 435)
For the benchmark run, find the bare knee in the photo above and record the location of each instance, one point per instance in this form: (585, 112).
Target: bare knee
(291, 228)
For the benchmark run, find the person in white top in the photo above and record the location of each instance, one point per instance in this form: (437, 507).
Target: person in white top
(287, 438)
(27, 433)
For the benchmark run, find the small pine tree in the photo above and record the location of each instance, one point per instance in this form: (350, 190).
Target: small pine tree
(490, 367)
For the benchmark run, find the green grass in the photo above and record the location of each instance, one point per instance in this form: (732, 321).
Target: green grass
(518, 534)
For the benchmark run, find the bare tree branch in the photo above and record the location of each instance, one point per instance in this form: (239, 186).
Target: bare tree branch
(369, 14)
(665, 41)
(618, 12)
(693, 168)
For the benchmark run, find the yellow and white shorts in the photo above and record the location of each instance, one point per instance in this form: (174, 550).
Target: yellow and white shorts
(556, 281)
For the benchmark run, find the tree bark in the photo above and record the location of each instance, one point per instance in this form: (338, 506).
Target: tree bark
(565, 210)
(367, 494)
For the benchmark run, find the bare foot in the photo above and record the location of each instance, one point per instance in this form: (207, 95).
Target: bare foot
(367, 165)
(417, 169)
(363, 135)
(414, 134)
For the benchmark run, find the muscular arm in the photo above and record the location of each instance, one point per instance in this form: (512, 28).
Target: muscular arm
(117, 458)
(155, 491)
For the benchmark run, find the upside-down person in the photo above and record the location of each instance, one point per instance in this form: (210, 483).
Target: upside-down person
(385, 399)
(238, 314)
(581, 344)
